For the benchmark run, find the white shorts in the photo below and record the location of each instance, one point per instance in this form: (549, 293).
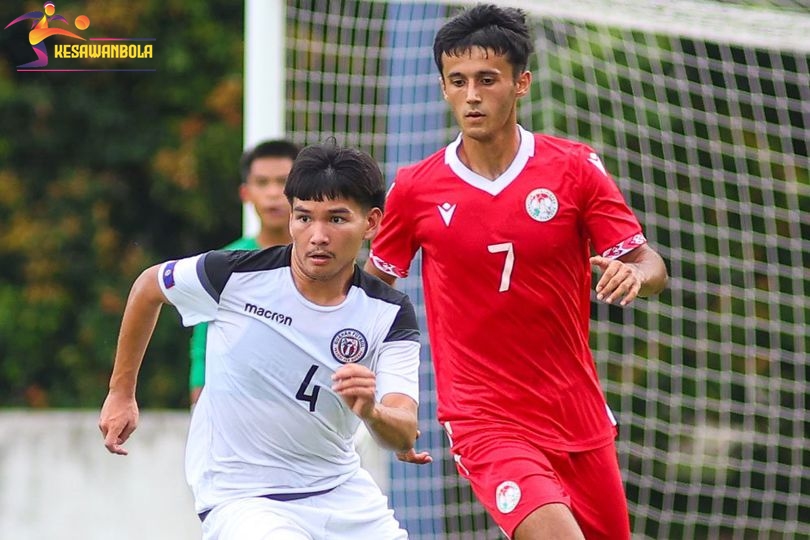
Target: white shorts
(354, 510)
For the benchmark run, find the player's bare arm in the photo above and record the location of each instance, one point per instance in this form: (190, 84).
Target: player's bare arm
(376, 272)
(119, 414)
(392, 422)
(640, 272)
(410, 455)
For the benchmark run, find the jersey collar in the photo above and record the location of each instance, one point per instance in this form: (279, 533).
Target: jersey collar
(493, 187)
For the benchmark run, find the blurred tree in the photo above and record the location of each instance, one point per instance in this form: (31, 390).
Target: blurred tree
(104, 174)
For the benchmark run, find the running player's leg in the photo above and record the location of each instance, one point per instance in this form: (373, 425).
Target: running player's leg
(598, 504)
(517, 484)
(554, 520)
(598, 500)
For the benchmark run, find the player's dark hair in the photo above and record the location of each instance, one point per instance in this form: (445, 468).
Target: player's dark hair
(329, 171)
(277, 148)
(502, 30)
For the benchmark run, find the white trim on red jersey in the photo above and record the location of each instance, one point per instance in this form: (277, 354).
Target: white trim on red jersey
(493, 187)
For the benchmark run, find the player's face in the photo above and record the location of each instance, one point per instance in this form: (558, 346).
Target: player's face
(480, 87)
(327, 236)
(265, 189)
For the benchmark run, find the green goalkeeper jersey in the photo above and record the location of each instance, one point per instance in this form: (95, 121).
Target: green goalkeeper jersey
(196, 376)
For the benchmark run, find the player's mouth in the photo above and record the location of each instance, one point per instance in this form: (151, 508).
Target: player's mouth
(276, 211)
(320, 257)
(475, 114)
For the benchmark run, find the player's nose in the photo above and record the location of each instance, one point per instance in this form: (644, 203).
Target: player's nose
(319, 234)
(275, 190)
(472, 94)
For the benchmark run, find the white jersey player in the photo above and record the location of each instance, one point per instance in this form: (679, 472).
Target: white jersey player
(302, 347)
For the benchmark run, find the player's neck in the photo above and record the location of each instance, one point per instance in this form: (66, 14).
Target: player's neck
(273, 237)
(492, 156)
(323, 292)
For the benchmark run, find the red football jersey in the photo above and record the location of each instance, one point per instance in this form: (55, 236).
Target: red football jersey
(507, 283)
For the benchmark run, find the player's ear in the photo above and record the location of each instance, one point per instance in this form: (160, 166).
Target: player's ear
(373, 220)
(523, 83)
(243, 192)
(444, 88)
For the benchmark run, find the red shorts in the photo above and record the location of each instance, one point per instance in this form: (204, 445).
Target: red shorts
(512, 477)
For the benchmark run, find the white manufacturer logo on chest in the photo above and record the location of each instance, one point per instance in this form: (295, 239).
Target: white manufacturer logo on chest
(446, 210)
(594, 159)
(507, 496)
(541, 204)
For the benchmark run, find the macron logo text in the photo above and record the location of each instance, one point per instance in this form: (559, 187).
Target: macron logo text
(267, 314)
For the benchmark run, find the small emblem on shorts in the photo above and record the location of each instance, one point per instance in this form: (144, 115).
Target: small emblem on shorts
(507, 496)
(349, 346)
(541, 204)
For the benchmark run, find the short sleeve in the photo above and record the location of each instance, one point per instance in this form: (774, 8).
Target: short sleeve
(187, 288)
(395, 244)
(398, 369)
(611, 224)
(398, 362)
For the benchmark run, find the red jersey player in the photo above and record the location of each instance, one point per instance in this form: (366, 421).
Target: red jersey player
(506, 221)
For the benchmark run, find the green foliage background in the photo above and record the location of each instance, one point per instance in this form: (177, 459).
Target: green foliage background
(103, 175)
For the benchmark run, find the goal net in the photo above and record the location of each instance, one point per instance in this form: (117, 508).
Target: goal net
(701, 111)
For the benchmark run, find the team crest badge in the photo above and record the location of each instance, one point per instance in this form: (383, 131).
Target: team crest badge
(541, 204)
(349, 346)
(507, 496)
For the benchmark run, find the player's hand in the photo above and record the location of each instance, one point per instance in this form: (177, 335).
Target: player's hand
(412, 456)
(620, 281)
(357, 385)
(119, 418)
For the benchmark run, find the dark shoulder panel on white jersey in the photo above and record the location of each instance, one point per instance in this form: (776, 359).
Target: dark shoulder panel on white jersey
(404, 327)
(215, 267)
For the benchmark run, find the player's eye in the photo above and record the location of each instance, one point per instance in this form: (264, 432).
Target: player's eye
(259, 182)
(338, 219)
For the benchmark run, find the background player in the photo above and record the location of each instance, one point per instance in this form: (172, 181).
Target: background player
(264, 170)
(506, 221)
(303, 346)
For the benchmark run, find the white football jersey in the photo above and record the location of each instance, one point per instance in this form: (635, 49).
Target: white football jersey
(268, 421)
